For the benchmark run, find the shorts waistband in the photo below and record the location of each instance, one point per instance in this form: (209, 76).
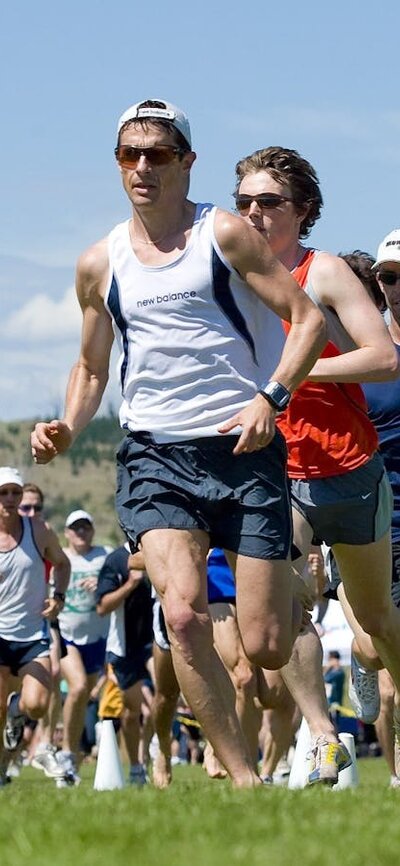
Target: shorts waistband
(146, 437)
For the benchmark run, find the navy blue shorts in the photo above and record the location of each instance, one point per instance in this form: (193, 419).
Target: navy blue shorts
(92, 654)
(129, 670)
(241, 502)
(14, 654)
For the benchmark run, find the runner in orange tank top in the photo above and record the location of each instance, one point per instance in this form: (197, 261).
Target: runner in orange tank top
(340, 492)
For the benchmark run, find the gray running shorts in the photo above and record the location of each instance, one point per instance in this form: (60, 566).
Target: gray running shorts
(241, 502)
(353, 508)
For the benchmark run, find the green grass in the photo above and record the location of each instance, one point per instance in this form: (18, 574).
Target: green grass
(199, 823)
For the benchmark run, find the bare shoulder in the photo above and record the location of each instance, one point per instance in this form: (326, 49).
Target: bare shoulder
(92, 271)
(237, 238)
(325, 264)
(229, 227)
(332, 277)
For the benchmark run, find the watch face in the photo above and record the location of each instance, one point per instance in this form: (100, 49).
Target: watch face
(278, 395)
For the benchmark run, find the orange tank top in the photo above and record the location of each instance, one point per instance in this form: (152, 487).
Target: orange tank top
(326, 426)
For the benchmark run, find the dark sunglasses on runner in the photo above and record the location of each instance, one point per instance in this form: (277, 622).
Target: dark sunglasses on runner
(265, 201)
(389, 278)
(27, 508)
(128, 156)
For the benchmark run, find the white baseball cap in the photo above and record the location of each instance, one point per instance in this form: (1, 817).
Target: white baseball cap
(8, 475)
(78, 515)
(389, 249)
(168, 112)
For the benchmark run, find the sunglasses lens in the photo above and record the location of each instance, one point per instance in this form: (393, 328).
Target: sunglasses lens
(389, 278)
(270, 201)
(243, 203)
(128, 156)
(27, 508)
(266, 201)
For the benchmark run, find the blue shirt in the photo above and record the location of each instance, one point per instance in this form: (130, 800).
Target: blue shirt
(383, 399)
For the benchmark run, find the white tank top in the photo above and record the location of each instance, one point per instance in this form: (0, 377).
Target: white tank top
(195, 343)
(22, 590)
(79, 620)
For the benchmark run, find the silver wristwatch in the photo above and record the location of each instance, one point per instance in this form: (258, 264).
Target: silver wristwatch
(277, 395)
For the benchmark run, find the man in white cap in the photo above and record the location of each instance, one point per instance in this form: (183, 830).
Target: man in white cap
(84, 633)
(25, 611)
(194, 297)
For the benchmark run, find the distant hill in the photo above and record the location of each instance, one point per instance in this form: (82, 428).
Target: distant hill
(84, 477)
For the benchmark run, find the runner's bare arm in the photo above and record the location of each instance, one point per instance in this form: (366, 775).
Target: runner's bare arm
(49, 547)
(251, 256)
(51, 550)
(375, 359)
(89, 375)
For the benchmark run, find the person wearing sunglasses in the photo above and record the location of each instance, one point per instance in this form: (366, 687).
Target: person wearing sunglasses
(190, 293)
(42, 752)
(25, 611)
(339, 489)
(32, 501)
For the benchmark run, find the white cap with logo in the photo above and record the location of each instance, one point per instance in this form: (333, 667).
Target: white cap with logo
(79, 514)
(389, 249)
(8, 475)
(168, 112)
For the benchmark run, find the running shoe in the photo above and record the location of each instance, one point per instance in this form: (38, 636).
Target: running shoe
(45, 759)
(394, 782)
(326, 761)
(69, 776)
(14, 727)
(267, 780)
(138, 776)
(14, 768)
(4, 777)
(282, 772)
(364, 692)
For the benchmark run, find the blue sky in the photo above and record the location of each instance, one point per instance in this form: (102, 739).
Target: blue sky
(318, 77)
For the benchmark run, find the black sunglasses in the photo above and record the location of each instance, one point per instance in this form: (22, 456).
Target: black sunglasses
(265, 201)
(27, 508)
(389, 278)
(128, 156)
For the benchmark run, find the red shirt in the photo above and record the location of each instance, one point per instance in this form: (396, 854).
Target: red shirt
(326, 426)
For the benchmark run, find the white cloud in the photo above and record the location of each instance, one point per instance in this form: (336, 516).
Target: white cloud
(43, 319)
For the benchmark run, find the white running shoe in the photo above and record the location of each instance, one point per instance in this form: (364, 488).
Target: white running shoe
(394, 782)
(14, 769)
(45, 759)
(69, 776)
(364, 692)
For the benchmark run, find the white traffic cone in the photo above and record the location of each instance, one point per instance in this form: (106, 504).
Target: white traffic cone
(348, 778)
(299, 771)
(109, 773)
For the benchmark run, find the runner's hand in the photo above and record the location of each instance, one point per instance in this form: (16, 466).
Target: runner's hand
(257, 421)
(49, 439)
(52, 607)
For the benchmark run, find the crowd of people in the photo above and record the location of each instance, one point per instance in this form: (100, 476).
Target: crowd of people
(259, 382)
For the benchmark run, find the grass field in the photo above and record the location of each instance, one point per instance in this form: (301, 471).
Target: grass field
(199, 823)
